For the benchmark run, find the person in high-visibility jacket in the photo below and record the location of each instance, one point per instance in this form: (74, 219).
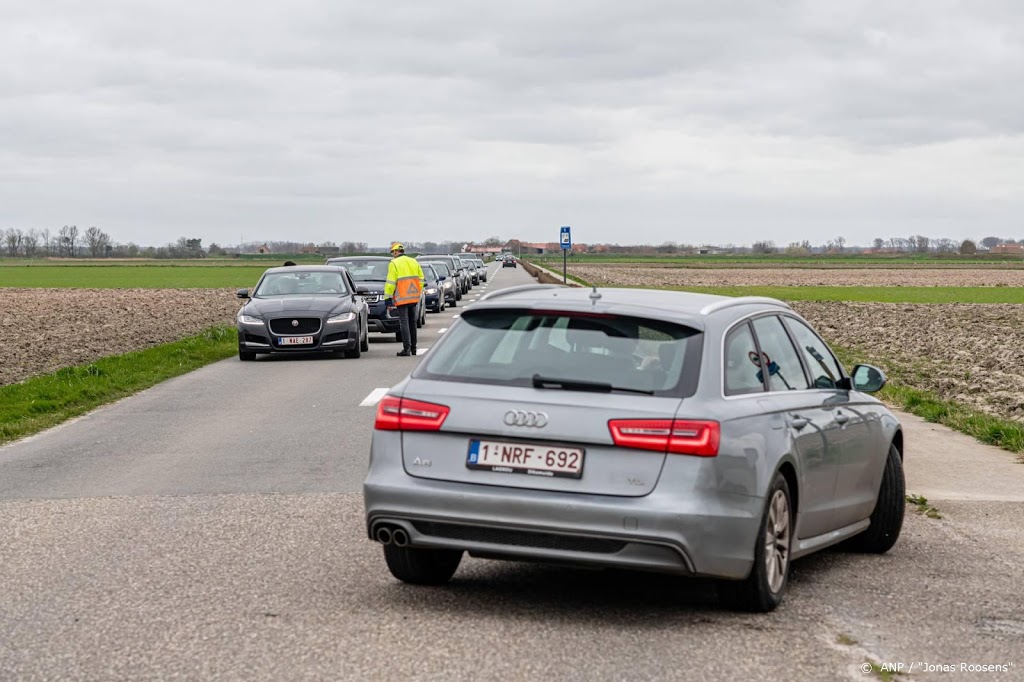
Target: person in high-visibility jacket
(402, 290)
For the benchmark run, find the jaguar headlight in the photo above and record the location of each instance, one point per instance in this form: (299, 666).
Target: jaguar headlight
(343, 317)
(249, 319)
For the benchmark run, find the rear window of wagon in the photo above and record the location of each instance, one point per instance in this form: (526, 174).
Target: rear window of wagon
(510, 346)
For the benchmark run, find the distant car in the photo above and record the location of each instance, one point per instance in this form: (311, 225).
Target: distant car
(370, 274)
(448, 284)
(433, 289)
(303, 308)
(624, 428)
(481, 268)
(457, 268)
(469, 260)
(508, 262)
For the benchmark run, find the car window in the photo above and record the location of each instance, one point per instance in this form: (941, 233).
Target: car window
(441, 269)
(825, 369)
(365, 270)
(429, 274)
(511, 346)
(741, 375)
(785, 373)
(301, 284)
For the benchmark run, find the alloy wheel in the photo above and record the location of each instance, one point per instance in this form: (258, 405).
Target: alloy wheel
(776, 541)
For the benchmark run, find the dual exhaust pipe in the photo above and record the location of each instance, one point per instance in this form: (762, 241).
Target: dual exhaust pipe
(389, 534)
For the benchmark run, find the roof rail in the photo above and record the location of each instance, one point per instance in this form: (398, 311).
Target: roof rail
(516, 289)
(741, 300)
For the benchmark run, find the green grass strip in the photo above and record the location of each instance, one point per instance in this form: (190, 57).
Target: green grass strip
(131, 277)
(44, 401)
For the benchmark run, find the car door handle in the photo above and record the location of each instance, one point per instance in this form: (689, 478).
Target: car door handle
(798, 422)
(842, 418)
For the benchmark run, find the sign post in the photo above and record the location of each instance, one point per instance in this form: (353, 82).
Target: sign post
(565, 240)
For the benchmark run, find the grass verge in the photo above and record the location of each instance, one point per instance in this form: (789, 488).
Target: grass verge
(131, 277)
(44, 401)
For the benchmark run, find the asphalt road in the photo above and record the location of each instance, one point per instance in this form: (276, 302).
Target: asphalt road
(211, 528)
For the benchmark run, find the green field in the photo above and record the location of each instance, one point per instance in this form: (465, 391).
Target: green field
(148, 276)
(782, 260)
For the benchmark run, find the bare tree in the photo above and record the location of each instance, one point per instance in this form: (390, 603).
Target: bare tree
(878, 243)
(97, 240)
(31, 242)
(44, 240)
(68, 239)
(763, 247)
(920, 243)
(945, 245)
(12, 239)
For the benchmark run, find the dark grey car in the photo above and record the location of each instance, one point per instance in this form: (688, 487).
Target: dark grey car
(302, 308)
(662, 431)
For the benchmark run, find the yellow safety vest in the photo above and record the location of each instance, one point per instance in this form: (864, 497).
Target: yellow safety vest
(405, 280)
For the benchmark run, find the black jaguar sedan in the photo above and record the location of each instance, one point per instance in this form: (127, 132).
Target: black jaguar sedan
(302, 309)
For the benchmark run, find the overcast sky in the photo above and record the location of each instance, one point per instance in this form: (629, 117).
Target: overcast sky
(640, 121)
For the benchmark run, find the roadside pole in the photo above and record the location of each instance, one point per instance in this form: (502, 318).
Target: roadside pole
(565, 241)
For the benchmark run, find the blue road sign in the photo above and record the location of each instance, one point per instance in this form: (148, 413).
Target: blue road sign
(565, 239)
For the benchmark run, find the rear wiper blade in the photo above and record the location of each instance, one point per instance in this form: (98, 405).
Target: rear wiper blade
(578, 385)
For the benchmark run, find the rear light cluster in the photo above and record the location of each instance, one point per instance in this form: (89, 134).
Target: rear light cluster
(674, 436)
(402, 414)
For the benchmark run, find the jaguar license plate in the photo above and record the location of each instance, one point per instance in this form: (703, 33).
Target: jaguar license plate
(295, 340)
(525, 458)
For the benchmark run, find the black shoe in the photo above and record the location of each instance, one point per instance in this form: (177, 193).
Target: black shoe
(403, 353)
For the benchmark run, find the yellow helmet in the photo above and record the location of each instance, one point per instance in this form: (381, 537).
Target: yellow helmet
(397, 246)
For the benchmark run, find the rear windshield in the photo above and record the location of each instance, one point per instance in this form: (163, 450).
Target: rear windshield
(512, 346)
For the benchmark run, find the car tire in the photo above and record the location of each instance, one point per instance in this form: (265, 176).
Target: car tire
(763, 589)
(364, 343)
(246, 356)
(887, 517)
(419, 566)
(353, 352)
(454, 304)
(458, 296)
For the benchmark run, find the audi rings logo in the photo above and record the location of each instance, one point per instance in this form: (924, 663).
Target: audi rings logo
(537, 420)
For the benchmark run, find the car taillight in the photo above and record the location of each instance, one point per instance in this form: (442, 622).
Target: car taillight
(402, 414)
(674, 436)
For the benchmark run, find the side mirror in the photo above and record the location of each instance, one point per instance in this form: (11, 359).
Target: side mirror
(243, 293)
(867, 378)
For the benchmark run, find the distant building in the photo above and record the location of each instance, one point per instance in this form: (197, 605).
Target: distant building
(1008, 249)
(328, 250)
(263, 248)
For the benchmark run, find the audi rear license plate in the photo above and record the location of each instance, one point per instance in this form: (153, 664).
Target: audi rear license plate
(525, 458)
(295, 340)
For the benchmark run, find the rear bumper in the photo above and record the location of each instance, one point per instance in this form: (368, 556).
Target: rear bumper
(701, 534)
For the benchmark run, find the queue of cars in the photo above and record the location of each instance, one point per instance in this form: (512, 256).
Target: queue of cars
(333, 307)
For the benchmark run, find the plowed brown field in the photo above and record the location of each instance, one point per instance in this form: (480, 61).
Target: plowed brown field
(46, 329)
(644, 275)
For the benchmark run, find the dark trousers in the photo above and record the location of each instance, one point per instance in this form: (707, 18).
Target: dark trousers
(407, 322)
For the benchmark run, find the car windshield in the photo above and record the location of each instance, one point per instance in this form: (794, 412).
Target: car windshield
(301, 284)
(365, 270)
(429, 274)
(441, 269)
(568, 350)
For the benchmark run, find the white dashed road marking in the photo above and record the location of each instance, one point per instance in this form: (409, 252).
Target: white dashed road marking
(421, 351)
(442, 330)
(374, 397)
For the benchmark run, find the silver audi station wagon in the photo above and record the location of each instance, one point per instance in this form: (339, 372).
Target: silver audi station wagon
(652, 430)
